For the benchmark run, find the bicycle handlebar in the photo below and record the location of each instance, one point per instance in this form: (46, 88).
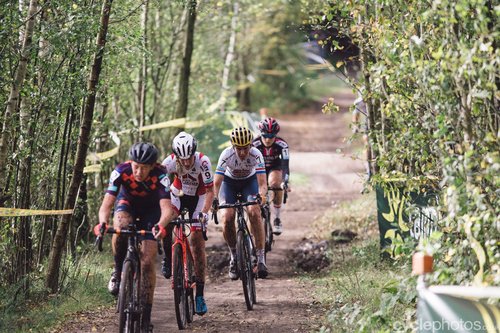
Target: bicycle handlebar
(284, 188)
(123, 231)
(239, 204)
(180, 221)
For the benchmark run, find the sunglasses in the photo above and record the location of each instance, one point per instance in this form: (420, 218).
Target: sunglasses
(268, 136)
(242, 148)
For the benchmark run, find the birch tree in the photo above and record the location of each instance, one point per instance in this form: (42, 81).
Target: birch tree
(52, 280)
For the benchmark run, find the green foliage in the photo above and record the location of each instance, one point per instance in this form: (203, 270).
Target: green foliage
(430, 76)
(365, 294)
(84, 289)
(362, 291)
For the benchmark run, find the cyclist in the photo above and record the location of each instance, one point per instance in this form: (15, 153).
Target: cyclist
(241, 170)
(193, 176)
(138, 188)
(276, 158)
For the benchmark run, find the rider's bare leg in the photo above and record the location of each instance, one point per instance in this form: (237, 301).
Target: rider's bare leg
(200, 258)
(275, 178)
(118, 242)
(229, 228)
(257, 227)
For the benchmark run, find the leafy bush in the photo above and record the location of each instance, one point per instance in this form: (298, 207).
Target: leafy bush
(429, 80)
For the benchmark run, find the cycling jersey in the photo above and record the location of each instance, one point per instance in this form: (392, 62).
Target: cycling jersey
(196, 180)
(276, 157)
(139, 199)
(155, 187)
(231, 166)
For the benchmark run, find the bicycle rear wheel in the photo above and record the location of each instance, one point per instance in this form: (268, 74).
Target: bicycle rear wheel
(190, 291)
(268, 229)
(180, 297)
(128, 300)
(245, 267)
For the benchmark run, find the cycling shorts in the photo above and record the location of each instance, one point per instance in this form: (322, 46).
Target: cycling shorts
(248, 188)
(194, 205)
(147, 217)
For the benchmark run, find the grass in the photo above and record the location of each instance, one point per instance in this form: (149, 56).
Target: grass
(299, 179)
(84, 289)
(362, 292)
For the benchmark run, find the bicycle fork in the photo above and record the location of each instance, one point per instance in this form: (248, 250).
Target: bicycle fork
(246, 232)
(189, 281)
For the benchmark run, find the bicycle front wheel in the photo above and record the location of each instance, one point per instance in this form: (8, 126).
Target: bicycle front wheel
(180, 297)
(268, 229)
(245, 268)
(190, 291)
(128, 300)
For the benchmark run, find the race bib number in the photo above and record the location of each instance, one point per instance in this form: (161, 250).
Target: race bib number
(114, 176)
(165, 182)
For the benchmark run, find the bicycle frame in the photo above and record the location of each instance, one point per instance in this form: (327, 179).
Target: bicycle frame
(245, 250)
(183, 293)
(182, 239)
(131, 312)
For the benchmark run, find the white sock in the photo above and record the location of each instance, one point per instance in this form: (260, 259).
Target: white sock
(233, 253)
(277, 211)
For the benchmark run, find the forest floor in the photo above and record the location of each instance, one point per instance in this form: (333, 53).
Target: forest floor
(321, 177)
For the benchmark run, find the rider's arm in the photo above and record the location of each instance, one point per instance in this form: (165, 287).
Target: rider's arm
(106, 206)
(209, 198)
(262, 181)
(167, 212)
(218, 178)
(208, 182)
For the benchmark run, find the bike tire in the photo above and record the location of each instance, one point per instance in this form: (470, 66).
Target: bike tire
(128, 300)
(190, 291)
(245, 268)
(180, 297)
(266, 216)
(253, 258)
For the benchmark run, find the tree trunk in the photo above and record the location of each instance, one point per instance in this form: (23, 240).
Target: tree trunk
(13, 101)
(229, 57)
(370, 117)
(185, 68)
(243, 91)
(52, 280)
(143, 76)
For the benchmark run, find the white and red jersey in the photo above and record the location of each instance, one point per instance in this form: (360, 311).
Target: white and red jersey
(194, 181)
(230, 164)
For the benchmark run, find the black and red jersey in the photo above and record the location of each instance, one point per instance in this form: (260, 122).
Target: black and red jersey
(155, 187)
(276, 157)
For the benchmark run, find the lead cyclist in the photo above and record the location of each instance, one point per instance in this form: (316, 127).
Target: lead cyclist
(241, 170)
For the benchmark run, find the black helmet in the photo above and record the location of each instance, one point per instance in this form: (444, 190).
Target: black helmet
(143, 152)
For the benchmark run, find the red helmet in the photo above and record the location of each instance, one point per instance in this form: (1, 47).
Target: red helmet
(269, 126)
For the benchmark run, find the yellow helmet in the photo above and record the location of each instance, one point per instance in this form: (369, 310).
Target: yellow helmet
(241, 137)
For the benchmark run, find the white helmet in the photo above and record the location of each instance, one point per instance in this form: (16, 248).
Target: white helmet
(184, 145)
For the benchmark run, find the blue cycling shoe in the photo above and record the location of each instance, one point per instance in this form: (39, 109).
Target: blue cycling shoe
(200, 306)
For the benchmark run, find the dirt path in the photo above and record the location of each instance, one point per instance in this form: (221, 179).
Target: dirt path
(284, 303)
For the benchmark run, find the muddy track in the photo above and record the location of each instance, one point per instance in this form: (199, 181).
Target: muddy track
(284, 303)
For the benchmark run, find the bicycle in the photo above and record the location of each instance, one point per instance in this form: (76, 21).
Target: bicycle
(266, 216)
(129, 304)
(183, 279)
(246, 257)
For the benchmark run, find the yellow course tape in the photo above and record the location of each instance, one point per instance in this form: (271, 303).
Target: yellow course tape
(32, 212)
(92, 168)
